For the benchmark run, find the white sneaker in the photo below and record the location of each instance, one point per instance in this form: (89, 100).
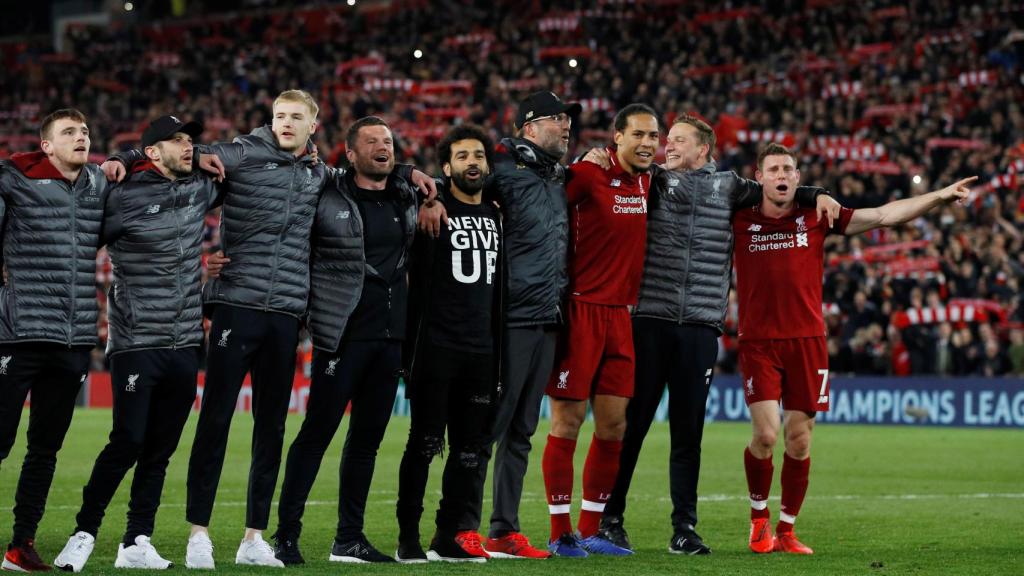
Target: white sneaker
(75, 553)
(257, 552)
(141, 555)
(199, 553)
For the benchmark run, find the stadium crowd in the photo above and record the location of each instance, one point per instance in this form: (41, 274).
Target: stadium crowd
(881, 99)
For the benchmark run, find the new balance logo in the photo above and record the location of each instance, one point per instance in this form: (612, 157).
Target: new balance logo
(823, 399)
(132, 379)
(801, 240)
(270, 166)
(224, 338)
(4, 361)
(342, 215)
(754, 228)
(616, 183)
(673, 181)
(563, 380)
(750, 386)
(707, 377)
(330, 366)
(153, 209)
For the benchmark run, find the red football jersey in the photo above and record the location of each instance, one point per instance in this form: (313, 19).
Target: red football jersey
(779, 271)
(607, 233)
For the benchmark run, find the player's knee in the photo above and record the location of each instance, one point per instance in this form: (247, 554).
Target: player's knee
(614, 430)
(798, 445)
(765, 438)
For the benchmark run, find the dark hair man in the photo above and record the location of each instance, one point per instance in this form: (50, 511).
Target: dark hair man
(679, 315)
(51, 207)
(153, 228)
(452, 380)
(595, 354)
(362, 235)
(779, 256)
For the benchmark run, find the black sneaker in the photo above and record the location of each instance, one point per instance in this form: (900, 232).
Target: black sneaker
(463, 547)
(286, 549)
(688, 542)
(410, 552)
(357, 551)
(612, 530)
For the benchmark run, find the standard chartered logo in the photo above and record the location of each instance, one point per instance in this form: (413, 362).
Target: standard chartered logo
(629, 205)
(776, 241)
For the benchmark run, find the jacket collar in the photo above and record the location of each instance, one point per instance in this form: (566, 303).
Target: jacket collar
(528, 152)
(266, 135)
(37, 165)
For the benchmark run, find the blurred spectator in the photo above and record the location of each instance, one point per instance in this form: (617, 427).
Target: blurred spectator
(883, 100)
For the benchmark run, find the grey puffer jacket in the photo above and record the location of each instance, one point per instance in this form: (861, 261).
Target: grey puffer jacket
(153, 228)
(688, 265)
(531, 186)
(338, 264)
(269, 203)
(51, 231)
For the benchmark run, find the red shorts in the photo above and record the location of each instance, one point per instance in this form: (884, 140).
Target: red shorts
(595, 353)
(793, 370)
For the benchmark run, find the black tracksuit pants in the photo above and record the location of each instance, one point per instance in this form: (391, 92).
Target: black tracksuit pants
(456, 390)
(243, 340)
(53, 373)
(364, 372)
(154, 391)
(683, 356)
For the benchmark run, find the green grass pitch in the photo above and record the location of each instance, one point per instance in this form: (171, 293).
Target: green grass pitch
(882, 500)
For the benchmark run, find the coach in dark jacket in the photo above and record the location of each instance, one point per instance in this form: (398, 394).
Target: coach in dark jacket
(153, 228)
(51, 205)
(363, 232)
(529, 182)
(684, 295)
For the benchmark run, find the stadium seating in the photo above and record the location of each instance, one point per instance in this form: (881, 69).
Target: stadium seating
(882, 100)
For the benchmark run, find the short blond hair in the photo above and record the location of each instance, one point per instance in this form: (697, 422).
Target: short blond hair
(300, 96)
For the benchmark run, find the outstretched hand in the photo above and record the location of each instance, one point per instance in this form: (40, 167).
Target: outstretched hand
(958, 191)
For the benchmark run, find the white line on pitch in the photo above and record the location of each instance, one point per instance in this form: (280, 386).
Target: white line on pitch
(705, 499)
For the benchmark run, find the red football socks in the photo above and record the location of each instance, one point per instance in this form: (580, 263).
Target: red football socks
(794, 488)
(759, 483)
(599, 472)
(558, 478)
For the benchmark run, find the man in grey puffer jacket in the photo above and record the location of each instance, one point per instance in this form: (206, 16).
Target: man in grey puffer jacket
(680, 314)
(51, 208)
(153, 228)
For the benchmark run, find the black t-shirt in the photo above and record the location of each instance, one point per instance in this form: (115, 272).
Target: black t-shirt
(465, 278)
(381, 311)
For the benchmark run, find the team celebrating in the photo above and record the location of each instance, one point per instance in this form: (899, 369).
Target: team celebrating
(509, 277)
